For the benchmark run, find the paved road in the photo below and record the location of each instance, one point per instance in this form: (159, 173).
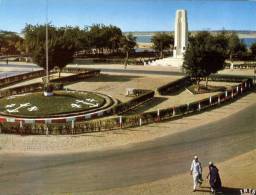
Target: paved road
(141, 163)
(12, 73)
(11, 65)
(146, 71)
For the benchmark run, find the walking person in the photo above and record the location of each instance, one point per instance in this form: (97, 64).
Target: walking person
(196, 172)
(215, 181)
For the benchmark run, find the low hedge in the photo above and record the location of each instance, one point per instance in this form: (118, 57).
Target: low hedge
(227, 78)
(21, 89)
(4, 82)
(77, 77)
(77, 70)
(174, 86)
(126, 106)
(127, 121)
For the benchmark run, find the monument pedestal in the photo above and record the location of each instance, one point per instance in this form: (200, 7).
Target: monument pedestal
(170, 61)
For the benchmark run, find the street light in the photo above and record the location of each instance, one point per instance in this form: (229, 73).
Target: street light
(46, 45)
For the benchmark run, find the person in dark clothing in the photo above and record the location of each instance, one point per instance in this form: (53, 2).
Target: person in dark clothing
(215, 181)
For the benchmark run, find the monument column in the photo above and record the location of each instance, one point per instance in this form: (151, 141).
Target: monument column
(180, 34)
(180, 42)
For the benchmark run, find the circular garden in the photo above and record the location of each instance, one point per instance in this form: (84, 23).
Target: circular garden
(62, 103)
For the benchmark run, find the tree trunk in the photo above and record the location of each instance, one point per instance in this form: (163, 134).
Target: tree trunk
(59, 72)
(7, 59)
(126, 60)
(230, 57)
(161, 54)
(198, 84)
(206, 82)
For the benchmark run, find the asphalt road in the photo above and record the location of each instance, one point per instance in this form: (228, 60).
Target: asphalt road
(145, 162)
(11, 65)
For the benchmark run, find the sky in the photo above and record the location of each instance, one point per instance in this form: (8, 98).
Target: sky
(130, 15)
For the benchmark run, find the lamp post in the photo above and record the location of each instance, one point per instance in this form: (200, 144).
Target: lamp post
(48, 89)
(46, 46)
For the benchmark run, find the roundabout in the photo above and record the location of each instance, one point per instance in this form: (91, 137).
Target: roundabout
(64, 105)
(63, 102)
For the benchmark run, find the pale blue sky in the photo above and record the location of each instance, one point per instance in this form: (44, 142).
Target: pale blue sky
(130, 15)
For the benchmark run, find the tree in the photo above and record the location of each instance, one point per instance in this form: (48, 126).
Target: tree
(221, 40)
(127, 44)
(62, 44)
(162, 41)
(105, 38)
(8, 43)
(236, 48)
(253, 50)
(203, 57)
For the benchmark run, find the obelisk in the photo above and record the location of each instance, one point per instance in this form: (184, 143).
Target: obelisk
(180, 43)
(180, 34)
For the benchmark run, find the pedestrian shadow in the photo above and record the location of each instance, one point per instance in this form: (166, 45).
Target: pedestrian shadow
(225, 190)
(203, 190)
(231, 191)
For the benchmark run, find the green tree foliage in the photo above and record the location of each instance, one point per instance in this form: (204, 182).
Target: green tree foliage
(253, 50)
(161, 42)
(104, 39)
(203, 57)
(9, 43)
(127, 43)
(221, 40)
(63, 42)
(236, 49)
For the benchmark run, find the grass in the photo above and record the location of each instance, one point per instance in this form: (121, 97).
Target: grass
(60, 103)
(203, 89)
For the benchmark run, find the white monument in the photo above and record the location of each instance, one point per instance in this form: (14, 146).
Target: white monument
(180, 34)
(180, 42)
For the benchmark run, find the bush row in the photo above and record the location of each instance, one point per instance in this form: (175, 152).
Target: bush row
(28, 88)
(174, 86)
(76, 77)
(128, 121)
(107, 61)
(77, 70)
(241, 66)
(21, 77)
(21, 89)
(226, 78)
(144, 95)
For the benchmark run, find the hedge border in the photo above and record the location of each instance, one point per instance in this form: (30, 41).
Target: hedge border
(130, 121)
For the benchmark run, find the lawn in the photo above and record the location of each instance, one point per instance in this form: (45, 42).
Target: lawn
(37, 105)
(203, 89)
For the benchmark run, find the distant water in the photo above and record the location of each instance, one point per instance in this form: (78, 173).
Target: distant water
(143, 39)
(147, 39)
(249, 41)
